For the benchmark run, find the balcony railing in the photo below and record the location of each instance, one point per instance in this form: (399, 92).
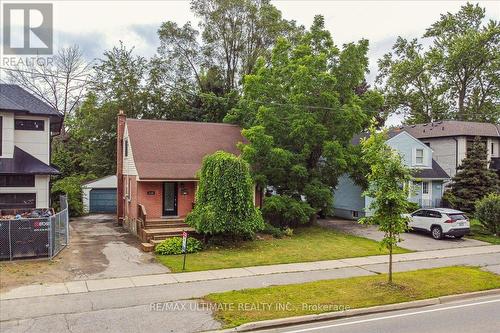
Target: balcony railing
(428, 203)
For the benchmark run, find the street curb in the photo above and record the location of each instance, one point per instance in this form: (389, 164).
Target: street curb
(356, 312)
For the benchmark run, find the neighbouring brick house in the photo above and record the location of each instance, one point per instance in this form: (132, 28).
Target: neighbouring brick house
(157, 163)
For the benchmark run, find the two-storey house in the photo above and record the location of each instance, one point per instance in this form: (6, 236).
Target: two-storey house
(26, 127)
(451, 139)
(426, 189)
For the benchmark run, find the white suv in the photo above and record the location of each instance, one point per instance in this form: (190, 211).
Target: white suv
(440, 222)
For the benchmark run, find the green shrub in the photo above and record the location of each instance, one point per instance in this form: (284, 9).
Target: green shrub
(174, 246)
(72, 187)
(488, 212)
(273, 231)
(224, 200)
(412, 206)
(284, 211)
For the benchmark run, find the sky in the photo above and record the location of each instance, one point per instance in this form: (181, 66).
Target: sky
(99, 25)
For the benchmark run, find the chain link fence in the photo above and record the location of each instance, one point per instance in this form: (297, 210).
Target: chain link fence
(42, 237)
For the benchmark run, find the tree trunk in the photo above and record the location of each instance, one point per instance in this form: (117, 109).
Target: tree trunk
(390, 264)
(461, 103)
(313, 219)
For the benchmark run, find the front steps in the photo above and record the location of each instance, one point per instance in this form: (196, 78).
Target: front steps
(157, 230)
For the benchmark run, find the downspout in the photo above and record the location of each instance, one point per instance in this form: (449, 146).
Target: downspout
(456, 154)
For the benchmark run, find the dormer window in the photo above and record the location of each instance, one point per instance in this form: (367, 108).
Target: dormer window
(29, 125)
(419, 156)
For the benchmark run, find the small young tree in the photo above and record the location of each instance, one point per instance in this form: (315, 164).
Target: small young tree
(473, 179)
(224, 200)
(387, 178)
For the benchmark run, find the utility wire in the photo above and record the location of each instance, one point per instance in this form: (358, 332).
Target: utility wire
(171, 87)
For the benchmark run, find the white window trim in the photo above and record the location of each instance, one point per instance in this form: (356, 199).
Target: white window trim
(423, 156)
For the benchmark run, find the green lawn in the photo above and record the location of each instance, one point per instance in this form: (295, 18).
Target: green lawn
(477, 232)
(307, 244)
(238, 307)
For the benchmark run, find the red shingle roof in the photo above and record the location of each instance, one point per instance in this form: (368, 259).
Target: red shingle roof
(175, 149)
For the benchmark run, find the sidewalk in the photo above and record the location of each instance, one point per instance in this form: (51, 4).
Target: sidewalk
(371, 264)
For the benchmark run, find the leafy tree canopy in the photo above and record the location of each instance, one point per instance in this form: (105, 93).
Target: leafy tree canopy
(300, 110)
(456, 77)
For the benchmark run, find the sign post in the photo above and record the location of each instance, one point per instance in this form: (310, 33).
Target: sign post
(184, 247)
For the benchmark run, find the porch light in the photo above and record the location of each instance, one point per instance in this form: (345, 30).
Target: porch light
(184, 190)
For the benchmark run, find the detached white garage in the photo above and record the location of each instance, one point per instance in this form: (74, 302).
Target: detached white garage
(99, 196)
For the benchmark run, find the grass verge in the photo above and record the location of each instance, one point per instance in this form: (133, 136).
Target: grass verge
(239, 307)
(478, 233)
(307, 244)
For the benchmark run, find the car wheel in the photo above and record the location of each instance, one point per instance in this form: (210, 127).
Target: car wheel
(436, 233)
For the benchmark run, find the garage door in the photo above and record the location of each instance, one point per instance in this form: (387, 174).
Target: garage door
(103, 200)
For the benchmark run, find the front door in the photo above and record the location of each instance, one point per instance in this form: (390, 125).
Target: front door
(426, 194)
(169, 199)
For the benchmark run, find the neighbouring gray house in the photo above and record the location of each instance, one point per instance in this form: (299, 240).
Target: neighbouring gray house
(426, 189)
(450, 140)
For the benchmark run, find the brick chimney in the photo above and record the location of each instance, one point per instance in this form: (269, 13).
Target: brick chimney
(120, 129)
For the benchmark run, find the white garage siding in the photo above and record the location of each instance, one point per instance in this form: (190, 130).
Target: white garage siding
(105, 182)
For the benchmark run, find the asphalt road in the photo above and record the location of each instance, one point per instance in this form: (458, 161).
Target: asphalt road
(478, 315)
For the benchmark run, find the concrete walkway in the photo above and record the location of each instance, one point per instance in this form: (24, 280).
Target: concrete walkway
(175, 307)
(373, 264)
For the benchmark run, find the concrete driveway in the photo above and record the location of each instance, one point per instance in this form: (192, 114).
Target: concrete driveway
(98, 248)
(415, 241)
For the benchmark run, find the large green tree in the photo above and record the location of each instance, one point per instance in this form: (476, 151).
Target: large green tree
(89, 146)
(473, 179)
(300, 110)
(456, 77)
(197, 74)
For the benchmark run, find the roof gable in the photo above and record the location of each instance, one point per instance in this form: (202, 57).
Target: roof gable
(175, 149)
(407, 135)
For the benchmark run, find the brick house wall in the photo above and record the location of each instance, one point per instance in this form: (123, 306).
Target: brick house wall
(130, 202)
(152, 202)
(185, 197)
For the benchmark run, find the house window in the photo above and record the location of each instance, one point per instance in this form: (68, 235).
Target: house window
(17, 181)
(419, 159)
(126, 147)
(355, 213)
(492, 149)
(29, 125)
(425, 188)
(17, 200)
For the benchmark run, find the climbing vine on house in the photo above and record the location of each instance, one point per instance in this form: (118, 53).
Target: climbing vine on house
(224, 199)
